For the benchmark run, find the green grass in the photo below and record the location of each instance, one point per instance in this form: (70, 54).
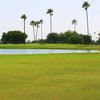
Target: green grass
(49, 46)
(50, 77)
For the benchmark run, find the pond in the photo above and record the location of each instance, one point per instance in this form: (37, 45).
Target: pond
(42, 51)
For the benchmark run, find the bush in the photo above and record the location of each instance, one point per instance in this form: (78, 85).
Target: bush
(69, 37)
(53, 38)
(75, 39)
(98, 42)
(87, 39)
(14, 37)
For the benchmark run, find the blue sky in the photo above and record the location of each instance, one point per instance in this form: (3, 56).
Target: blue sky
(64, 12)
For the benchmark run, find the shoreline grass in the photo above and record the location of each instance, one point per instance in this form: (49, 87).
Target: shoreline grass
(50, 46)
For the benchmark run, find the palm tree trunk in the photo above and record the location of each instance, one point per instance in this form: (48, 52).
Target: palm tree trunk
(50, 23)
(74, 27)
(34, 33)
(24, 26)
(41, 32)
(87, 22)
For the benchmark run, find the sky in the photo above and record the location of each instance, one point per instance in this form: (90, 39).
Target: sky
(64, 12)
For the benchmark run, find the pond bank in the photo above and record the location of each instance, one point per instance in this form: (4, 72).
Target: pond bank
(50, 46)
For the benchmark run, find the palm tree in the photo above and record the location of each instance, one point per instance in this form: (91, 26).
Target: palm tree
(86, 6)
(37, 25)
(50, 11)
(24, 18)
(33, 24)
(41, 22)
(74, 22)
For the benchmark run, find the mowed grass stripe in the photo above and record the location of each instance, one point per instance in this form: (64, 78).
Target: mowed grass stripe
(50, 46)
(50, 77)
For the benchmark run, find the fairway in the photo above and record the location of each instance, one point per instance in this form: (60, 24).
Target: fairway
(50, 77)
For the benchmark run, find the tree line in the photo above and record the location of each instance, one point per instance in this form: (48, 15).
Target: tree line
(85, 5)
(67, 37)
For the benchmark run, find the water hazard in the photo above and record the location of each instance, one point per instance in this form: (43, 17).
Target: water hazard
(42, 51)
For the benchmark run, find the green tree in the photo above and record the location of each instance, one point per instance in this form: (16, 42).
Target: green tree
(33, 25)
(62, 38)
(87, 39)
(98, 42)
(75, 38)
(86, 6)
(74, 22)
(53, 38)
(24, 18)
(67, 35)
(50, 11)
(13, 37)
(3, 39)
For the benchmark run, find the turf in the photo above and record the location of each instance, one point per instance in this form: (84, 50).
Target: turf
(49, 46)
(50, 77)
